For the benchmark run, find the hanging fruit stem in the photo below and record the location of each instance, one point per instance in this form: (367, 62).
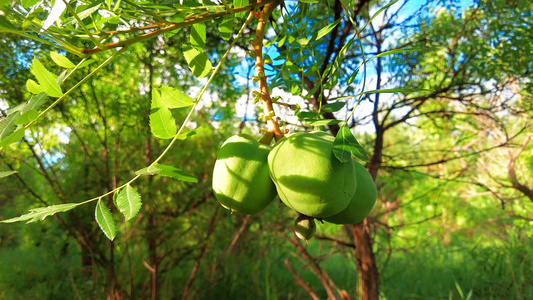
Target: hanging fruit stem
(273, 126)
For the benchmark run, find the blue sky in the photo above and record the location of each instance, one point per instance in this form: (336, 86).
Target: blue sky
(410, 8)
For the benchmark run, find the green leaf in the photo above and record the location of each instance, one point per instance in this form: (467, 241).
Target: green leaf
(173, 98)
(128, 202)
(325, 122)
(307, 115)
(378, 12)
(8, 125)
(15, 109)
(28, 3)
(27, 117)
(40, 213)
(333, 107)
(240, 3)
(198, 36)
(197, 61)
(105, 220)
(332, 68)
(295, 89)
(13, 137)
(61, 60)
(184, 136)
(162, 123)
(35, 102)
(327, 29)
(33, 87)
(393, 52)
(167, 171)
(86, 63)
(226, 27)
(397, 90)
(82, 15)
(7, 173)
(345, 145)
(6, 26)
(46, 79)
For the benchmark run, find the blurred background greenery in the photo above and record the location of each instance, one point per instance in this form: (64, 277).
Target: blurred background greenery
(453, 165)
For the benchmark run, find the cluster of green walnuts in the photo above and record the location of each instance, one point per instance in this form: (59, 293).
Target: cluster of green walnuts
(302, 170)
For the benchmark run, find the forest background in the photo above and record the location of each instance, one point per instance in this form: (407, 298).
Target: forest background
(438, 93)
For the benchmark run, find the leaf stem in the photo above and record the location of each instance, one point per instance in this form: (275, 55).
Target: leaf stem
(198, 97)
(73, 12)
(76, 86)
(173, 26)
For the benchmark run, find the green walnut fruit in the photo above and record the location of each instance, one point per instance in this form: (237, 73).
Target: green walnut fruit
(240, 178)
(362, 202)
(308, 176)
(304, 227)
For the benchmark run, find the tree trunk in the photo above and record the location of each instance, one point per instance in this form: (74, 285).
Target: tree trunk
(366, 262)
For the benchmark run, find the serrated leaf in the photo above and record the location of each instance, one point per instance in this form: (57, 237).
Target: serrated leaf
(312, 92)
(295, 89)
(240, 3)
(115, 195)
(47, 80)
(13, 137)
(397, 90)
(198, 36)
(390, 52)
(8, 125)
(197, 61)
(61, 60)
(40, 213)
(167, 171)
(333, 107)
(185, 136)
(332, 68)
(15, 109)
(327, 29)
(129, 202)
(150, 170)
(325, 122)
(306, 115)
(7, 173)
(7, 26)
(28, 3)
(56, 12)
(35, 102)
(346, 144)
(105, 220)
(226, 27)
(86, 63)
(27, 117)
(162, 123)
(82, 15)
(33, 87)
(174, 98)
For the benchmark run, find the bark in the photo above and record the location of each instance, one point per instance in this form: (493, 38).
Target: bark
(366, 262)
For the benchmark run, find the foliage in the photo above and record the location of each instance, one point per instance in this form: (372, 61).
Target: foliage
(111, 114)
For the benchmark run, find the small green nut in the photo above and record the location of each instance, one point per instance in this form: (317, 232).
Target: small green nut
(304, 227)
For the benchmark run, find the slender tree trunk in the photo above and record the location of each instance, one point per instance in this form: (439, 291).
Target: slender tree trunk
(366, 262)
(152, 236)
